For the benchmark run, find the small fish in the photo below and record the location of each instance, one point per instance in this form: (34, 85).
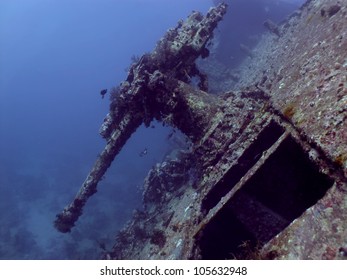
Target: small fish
(103, 92)
(143, 153)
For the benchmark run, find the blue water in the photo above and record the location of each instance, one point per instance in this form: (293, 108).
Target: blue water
(55, 57)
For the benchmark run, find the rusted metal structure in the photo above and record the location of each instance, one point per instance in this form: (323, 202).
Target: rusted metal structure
(266, 175)
(156, 88)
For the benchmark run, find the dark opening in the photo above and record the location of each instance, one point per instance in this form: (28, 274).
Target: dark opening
(282, 189)
(265, 140)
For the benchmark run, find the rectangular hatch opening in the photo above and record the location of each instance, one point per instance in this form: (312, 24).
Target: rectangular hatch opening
(280, 191)
(266, 138)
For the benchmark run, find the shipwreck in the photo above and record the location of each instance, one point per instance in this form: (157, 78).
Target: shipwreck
(265, 176)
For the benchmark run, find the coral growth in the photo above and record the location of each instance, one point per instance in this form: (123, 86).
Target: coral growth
(289, 111)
